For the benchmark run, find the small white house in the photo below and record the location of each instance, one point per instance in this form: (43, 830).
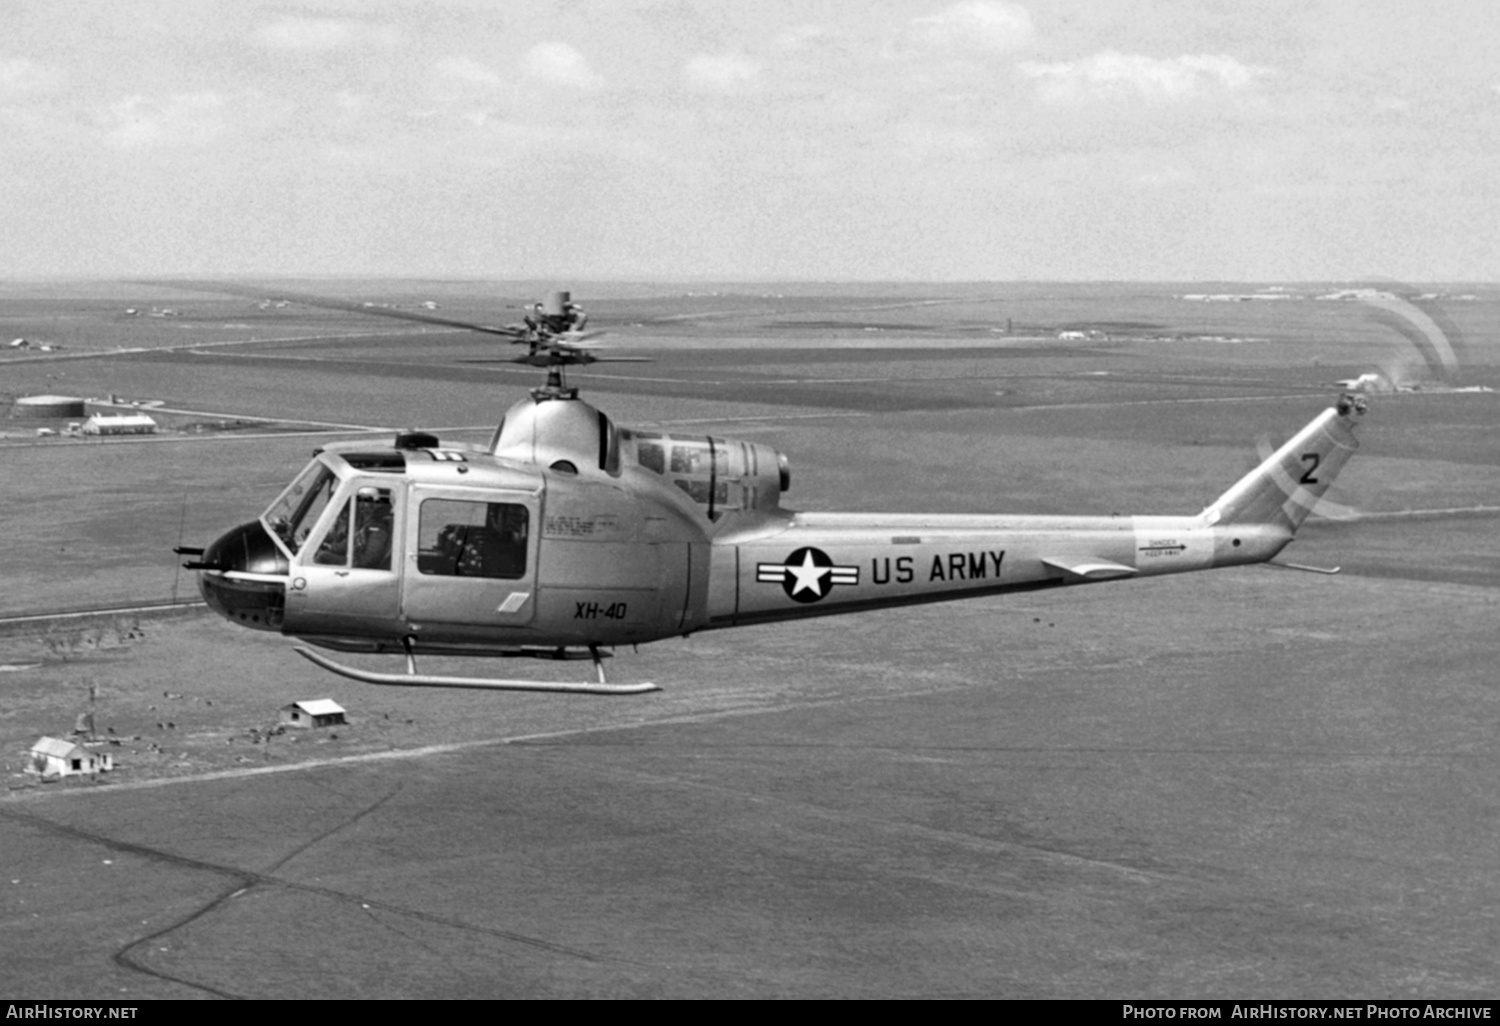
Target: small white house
(54, 757)
(321, 712)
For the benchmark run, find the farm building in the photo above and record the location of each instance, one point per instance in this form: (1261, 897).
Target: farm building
(322, 712)
(54, 757)
(119, 424)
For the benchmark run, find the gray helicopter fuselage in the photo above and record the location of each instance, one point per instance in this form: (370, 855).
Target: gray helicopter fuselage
(565, 531)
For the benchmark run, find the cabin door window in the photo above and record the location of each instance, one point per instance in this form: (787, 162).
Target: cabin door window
(471, 558)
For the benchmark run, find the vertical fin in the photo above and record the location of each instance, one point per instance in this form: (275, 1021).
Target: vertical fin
(1283, 490)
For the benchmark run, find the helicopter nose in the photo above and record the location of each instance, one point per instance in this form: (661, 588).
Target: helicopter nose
(238, 578)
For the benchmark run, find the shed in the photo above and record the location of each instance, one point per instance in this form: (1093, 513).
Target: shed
(322, 712)
(119, 424)
(54, 757)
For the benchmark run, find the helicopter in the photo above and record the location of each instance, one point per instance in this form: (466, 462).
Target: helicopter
(566, 535)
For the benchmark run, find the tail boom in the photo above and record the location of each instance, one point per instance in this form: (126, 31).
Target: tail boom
(817, 564)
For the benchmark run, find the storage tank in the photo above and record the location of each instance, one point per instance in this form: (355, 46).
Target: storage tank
(38, 407)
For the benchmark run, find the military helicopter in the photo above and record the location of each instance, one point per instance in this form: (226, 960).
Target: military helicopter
(566, 535)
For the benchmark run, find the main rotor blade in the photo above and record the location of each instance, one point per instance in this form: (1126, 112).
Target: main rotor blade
(543, 359)
(334, 304)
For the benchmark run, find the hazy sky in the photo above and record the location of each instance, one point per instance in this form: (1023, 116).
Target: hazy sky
(1052, 139)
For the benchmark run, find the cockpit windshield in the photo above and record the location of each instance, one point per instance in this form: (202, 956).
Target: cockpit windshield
(292, 516)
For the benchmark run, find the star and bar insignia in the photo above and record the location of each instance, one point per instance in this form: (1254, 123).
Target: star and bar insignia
(807, 575)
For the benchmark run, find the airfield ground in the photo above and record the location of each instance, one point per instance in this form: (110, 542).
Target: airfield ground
(1249, 782)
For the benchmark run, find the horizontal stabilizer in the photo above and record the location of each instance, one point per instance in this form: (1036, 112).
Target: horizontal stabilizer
(1091, 570)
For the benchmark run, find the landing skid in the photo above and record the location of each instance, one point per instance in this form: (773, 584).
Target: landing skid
(1304, 567)
(422, 680)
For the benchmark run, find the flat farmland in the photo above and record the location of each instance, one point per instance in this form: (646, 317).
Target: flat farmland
(1251, 781)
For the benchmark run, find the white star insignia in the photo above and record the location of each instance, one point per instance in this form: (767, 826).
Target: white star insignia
(809, 575)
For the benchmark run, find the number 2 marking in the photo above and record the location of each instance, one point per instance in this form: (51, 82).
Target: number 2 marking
(1312, 460)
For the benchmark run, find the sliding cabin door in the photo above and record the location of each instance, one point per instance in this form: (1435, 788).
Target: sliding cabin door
(470, 557)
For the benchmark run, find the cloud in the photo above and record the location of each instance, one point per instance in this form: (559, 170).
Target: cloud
(468, 70)
(1113, 75)
(721, 73)
(560, 64)
(976, 26)
(924, 144)
(803, 37)
(181, 119)
(296, 32)
(33, 103)
(1390, 106)
(462, 88)
(20, 76)
(1163, 175)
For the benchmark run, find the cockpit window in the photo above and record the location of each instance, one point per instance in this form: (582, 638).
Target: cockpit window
(368, 546)
(292, 516)
(372, 528)
(334, 548)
